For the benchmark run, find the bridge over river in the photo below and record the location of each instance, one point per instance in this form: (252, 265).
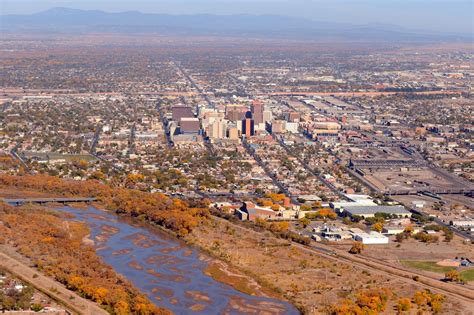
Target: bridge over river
(65, 200)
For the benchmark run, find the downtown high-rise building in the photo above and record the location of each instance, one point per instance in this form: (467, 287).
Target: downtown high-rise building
(248, 127)
(257, 109)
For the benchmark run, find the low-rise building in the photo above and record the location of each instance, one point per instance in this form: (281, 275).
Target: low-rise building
(370, 211)
(371, 238)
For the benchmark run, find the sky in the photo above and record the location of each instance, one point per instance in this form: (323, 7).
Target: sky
(455, 16)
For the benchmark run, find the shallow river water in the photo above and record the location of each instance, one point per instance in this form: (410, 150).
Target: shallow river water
(166, 269)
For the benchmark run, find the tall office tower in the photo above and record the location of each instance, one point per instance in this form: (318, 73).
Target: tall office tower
(218, 129)
(248, 127)
(267, 116)
(257, 111)
(235, 112)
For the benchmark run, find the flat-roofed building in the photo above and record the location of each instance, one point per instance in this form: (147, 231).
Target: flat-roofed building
(371, 238)
(233, 133)
(370, 211)
(181, 111)
(189, 125)
(278, 126)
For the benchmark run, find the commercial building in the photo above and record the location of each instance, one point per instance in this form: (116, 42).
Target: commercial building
(181, 111)
(235, 112)
(189, 125)
(396, 229)
(217, 129)
(249, 211)
(371, 238)
(257, 109)
(233, 133)
(370, 211)
(293, 117)
(278, 126)
(267, 116)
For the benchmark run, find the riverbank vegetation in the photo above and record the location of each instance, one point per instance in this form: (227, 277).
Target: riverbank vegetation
(174, 214)
(55, 246)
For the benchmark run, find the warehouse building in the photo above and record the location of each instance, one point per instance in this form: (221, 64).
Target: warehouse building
(370, 211)
(371, 238)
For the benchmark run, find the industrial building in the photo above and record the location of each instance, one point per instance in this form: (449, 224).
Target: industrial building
(370, 211)
(371, 238)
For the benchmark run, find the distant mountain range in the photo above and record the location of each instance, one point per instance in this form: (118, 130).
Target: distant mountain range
(64, 20)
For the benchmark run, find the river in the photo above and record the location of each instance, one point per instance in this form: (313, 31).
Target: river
(168, 271)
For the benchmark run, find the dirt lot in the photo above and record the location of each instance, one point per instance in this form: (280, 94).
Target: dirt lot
(409, 180)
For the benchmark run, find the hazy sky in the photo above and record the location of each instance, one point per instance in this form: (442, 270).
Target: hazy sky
(443, 15)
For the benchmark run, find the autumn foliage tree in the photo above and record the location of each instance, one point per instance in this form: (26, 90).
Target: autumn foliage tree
(453, 275)
(174, 214)
(357, 248)
(403, 305)
(377, 227)
(56, 248)
(371, 301)
(426, 298)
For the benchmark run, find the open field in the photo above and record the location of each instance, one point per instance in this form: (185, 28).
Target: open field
(426, 265)
(468, 275)
(431, 266)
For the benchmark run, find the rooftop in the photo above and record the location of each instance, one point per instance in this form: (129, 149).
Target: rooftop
(375, 209)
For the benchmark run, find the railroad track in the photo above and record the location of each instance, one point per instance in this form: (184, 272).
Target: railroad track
(371, 265)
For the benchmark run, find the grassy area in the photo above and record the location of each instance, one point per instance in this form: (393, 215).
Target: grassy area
(426, 266)
(468, 275)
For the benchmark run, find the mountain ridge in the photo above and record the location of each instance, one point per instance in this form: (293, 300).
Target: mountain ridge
(62, 19)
